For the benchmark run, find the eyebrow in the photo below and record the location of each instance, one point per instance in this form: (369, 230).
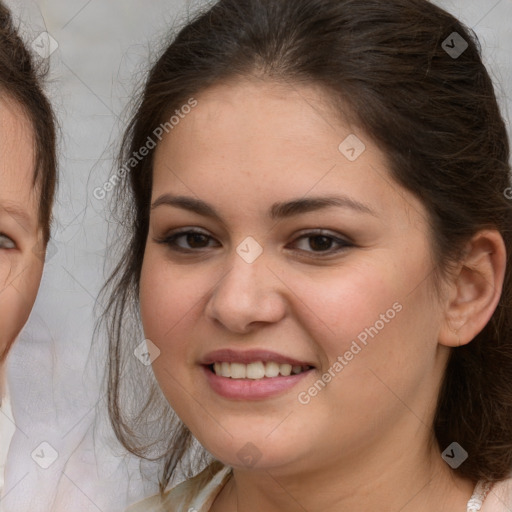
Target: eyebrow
(276, 211)
(20, 215)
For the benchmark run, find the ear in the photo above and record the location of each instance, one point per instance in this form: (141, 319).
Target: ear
(475, 291)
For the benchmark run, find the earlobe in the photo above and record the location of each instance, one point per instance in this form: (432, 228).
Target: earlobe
(476, 289)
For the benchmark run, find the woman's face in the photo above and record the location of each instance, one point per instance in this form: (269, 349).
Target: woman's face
(280, 279)
(21, 263)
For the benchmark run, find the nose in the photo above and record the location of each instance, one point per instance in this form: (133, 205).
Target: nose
(249, 295)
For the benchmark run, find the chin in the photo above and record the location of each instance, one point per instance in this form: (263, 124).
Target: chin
(243, 454)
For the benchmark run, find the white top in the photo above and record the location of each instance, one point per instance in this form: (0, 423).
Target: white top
(486, 497)
(7, 429)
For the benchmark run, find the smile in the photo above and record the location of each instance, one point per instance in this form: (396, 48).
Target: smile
(256, 370)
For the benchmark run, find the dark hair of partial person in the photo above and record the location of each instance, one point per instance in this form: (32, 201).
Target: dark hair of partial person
(436, 118)
(21, 79)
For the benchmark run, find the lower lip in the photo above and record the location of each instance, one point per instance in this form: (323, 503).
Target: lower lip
(252, 389)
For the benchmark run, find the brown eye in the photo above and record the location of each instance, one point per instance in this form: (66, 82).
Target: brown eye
(193, 240)
(322, 243)
(196, 240)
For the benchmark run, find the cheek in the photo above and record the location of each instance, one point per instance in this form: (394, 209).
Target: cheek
(18, 291)
(168, 297)
(168, 301)
(11, 318)
(339, 304)
(380, 313)
(386, 338)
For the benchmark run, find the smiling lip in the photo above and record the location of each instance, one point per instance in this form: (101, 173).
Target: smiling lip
(247, 389)
(249, 356)
(250, 389)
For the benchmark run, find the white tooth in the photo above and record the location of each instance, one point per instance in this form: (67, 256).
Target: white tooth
(217, 368)
(271, 369)
(238, 371)
(225, 369)
(296, 369)
(285, 369)
(255, 370)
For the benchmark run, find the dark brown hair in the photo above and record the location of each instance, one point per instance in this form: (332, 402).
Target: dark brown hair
(21, 78)
(433, 114)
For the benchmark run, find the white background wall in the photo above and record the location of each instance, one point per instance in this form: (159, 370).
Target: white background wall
(102, 49)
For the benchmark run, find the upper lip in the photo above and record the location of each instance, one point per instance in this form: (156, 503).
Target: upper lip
(249, 356)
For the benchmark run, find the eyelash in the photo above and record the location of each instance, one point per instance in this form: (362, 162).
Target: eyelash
(170, 241)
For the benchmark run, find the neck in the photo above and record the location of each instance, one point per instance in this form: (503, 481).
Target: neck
(387, 480)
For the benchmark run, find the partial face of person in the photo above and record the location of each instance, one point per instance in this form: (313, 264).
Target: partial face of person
(286, 283)
(21, 263)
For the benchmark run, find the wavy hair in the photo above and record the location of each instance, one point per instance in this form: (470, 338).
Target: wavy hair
(22, 78)
(435, 116)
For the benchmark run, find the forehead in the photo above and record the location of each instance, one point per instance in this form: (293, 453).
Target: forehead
(265, 140)
(17, 162)
(254, 127)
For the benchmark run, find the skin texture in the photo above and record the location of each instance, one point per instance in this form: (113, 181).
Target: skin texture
(364, 442)
(21, 259)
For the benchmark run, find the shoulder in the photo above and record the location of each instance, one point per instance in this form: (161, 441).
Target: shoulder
(152, 504)
(499, 498)
(197, 493)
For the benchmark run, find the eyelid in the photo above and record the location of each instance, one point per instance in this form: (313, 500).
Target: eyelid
(324, 232)
(343, 241)
(178, 233)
